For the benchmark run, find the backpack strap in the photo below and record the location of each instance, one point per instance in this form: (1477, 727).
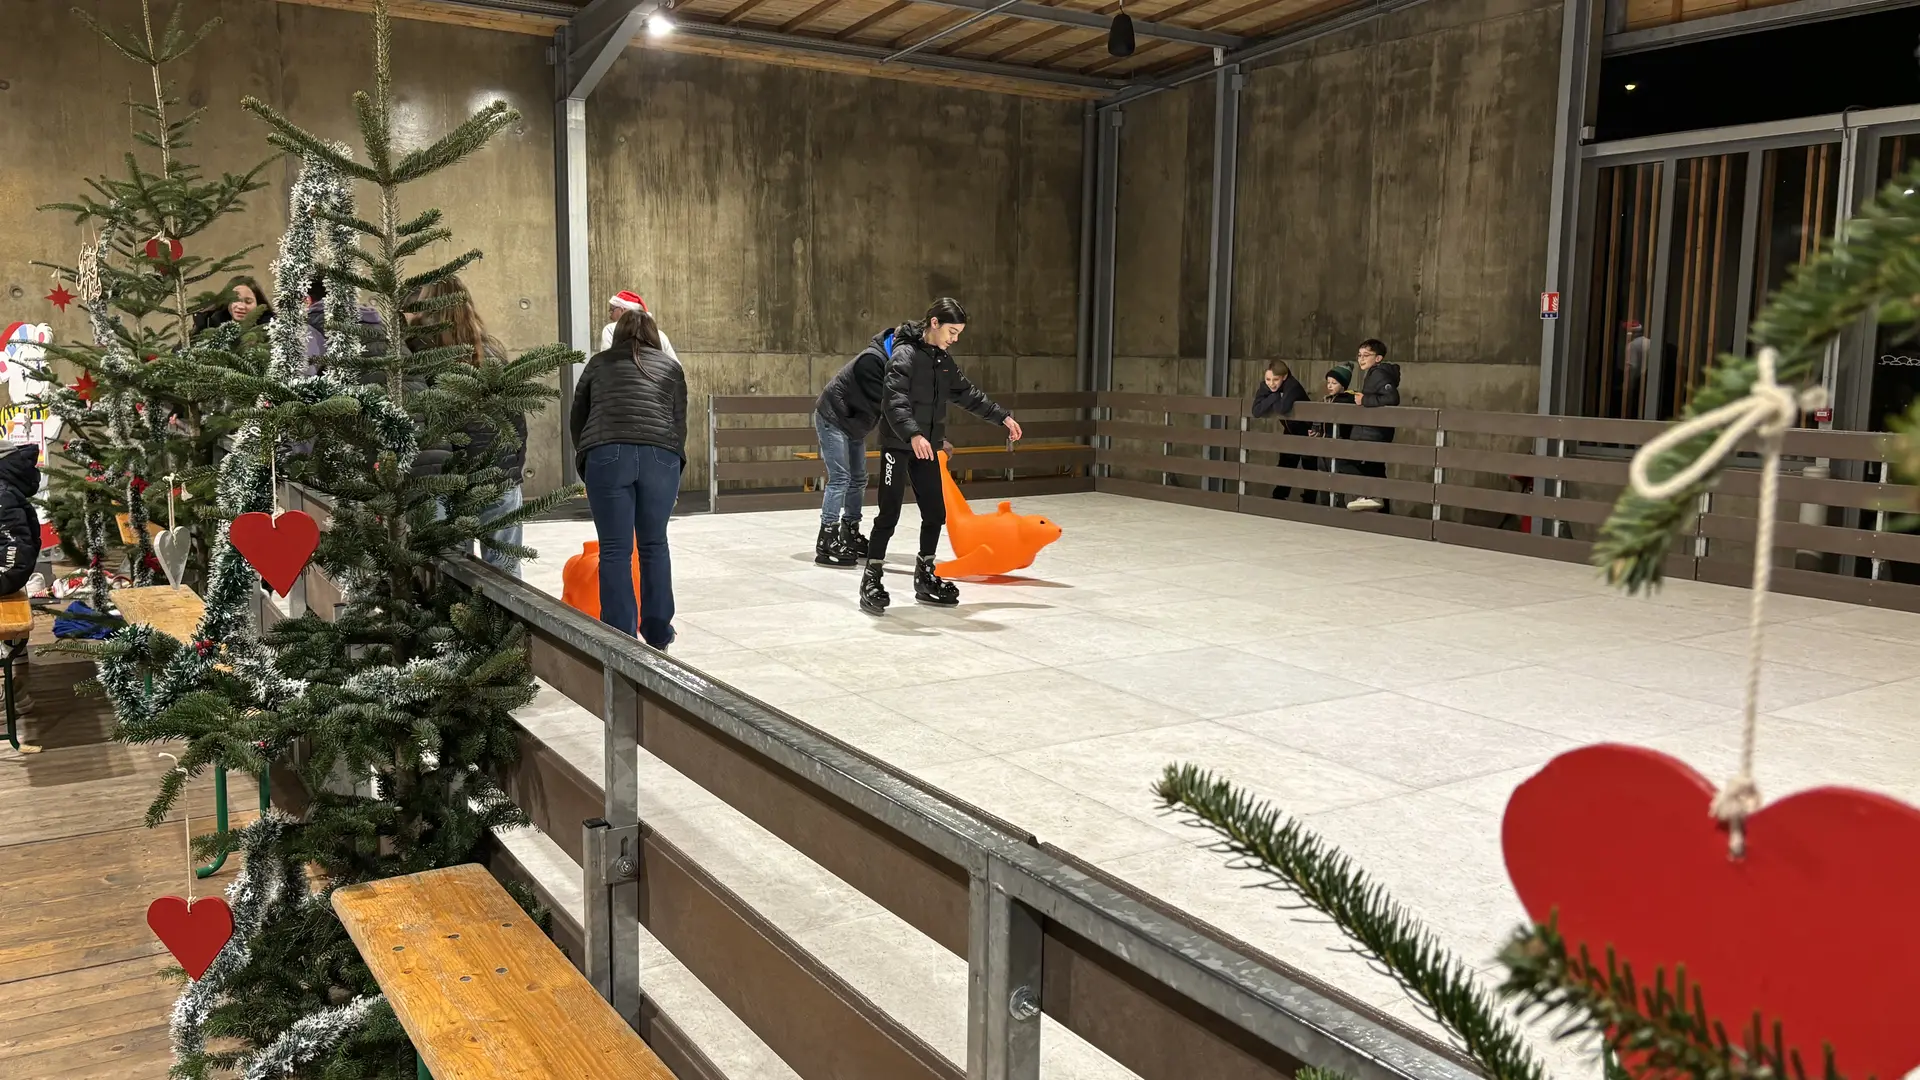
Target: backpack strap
(887, 346)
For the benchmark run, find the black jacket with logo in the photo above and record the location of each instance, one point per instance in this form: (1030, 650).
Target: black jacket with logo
(1380, 388)
(19, 522)
(1279, 403)
(851, 401)
(921, 380)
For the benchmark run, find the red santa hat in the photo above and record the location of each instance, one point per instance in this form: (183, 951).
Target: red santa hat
(628, 301)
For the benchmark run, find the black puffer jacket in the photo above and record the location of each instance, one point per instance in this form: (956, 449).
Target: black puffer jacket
(851, 401)
(19, 524)
(635, 399)
(1380, 388)
(921, 380)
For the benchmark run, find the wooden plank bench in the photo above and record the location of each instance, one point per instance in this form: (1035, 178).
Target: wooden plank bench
(958, 451)
(16, 623)
(481, 991)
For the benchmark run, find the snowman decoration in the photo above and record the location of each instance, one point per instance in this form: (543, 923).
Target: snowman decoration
(23, 366)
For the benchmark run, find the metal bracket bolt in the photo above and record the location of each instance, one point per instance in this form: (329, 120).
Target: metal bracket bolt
(1024, 1004)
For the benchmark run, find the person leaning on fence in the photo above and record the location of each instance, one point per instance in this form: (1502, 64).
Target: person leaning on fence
(847, 410)
(1338, 379)
(1276, 396)
(1379, 388)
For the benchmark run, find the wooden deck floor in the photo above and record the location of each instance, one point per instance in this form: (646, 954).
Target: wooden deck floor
(81, 989)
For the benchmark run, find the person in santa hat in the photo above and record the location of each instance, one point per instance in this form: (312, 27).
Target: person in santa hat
(621, 303)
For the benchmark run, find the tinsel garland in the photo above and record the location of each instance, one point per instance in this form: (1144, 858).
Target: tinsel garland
(265, 886)
(309, 1037)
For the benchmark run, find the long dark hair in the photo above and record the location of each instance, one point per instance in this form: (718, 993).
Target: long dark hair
(459, 324)
(637, 330)
(946, 310)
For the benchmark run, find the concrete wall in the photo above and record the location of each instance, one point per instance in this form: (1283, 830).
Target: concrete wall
(1393, 184)
(65, 119)
(776, 218)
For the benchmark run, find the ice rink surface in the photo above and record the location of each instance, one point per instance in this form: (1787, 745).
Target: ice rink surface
(1390, 692)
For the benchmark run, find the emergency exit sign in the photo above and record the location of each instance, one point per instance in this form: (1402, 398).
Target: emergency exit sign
(1549, 305)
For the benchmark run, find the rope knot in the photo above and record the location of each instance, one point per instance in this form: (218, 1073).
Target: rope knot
(1768, 410)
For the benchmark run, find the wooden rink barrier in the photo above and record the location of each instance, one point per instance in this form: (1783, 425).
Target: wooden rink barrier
(1520, 483)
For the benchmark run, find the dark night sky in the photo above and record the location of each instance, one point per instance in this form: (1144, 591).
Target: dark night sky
(1864, 62)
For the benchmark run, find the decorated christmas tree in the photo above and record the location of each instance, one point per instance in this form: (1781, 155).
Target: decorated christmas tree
(135, 438)
(400, 699)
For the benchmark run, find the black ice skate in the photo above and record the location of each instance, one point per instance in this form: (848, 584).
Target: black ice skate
(851, 540)
(829, 550)
(873, 592)
(929, 589)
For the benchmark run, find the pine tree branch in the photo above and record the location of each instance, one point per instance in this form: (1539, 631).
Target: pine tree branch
(1328, 881)
(1662, 1030)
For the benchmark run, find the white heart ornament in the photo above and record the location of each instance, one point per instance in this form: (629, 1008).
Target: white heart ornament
(172, 546)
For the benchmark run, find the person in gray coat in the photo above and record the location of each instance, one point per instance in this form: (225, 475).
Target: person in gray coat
(629, 425)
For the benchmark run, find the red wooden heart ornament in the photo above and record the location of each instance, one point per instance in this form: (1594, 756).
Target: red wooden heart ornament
(194, 935)
(1813, 928)
(278, 549)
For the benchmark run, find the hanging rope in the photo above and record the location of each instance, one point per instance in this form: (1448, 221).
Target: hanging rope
(1769, 410)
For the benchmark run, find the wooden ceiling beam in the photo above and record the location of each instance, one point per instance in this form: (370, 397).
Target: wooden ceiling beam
(874, 19)
(809, 15)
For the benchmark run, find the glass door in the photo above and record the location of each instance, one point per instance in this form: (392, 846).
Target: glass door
(1628, 198)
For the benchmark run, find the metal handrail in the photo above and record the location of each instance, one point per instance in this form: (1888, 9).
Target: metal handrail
(1281, 1011)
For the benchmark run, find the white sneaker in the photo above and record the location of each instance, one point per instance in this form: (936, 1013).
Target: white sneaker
(1363, 504)
(36, 586)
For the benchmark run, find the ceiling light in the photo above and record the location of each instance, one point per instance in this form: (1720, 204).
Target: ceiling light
(1120, 35)
(659, 25)
(1631, 87)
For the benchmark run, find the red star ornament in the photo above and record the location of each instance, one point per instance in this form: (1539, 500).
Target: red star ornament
(86, 386)
(60, 297)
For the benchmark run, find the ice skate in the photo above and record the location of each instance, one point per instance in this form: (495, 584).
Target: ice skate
(873, 592)
(929, 589)
(850, 539)
(829, 548)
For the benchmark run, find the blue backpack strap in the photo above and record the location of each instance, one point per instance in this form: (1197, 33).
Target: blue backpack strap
(888, 346)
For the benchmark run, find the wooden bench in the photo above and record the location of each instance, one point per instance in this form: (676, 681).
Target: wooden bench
(175, 611)
(958, 451)
(481, 991)
(16, 623)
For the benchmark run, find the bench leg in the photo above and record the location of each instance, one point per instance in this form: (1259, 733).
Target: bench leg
(13, 732)
(420, 1068)
(219, 821)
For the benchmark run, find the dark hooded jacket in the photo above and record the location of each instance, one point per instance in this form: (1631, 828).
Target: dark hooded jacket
(921, 381)
(851, 401)
(1380, 388)
(19, 523)
(374, 344)
(1279, 403)
(483, 441)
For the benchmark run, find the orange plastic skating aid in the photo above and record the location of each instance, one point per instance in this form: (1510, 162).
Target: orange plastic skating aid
(988, 544)
(580, 580)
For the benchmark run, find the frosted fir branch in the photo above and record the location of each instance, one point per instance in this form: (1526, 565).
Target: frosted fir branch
(309, 1037)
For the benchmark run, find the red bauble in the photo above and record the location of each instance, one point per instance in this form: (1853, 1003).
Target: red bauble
(278, 549)
(164, 249)
(194, 935)
(1813, 928)
(60, 297)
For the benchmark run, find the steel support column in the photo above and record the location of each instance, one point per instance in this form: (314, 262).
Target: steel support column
(1580, 36)
(1089, 173)
(612, 863)
(1003, 982)
(1226, 171)
(584, 49)
(1105, 224)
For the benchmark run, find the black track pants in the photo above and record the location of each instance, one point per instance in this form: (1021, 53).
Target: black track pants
(898, 470)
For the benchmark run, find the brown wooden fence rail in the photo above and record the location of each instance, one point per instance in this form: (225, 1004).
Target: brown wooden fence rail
(781, 463)
(1043, 933)
(1515, 482)
(1522, 483)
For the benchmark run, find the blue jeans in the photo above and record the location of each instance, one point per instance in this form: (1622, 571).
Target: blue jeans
(846, 462)
(631, 491)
